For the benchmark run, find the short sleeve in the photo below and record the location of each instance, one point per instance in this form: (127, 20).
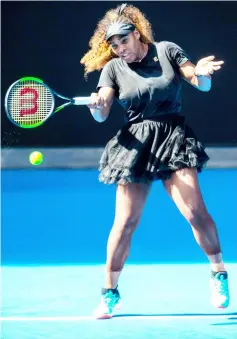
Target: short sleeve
(177, 55)
(107, 77)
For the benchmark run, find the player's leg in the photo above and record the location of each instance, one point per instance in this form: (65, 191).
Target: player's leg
(184, 189)
(130, 200)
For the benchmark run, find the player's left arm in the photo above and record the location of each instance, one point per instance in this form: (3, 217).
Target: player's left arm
(199, 75)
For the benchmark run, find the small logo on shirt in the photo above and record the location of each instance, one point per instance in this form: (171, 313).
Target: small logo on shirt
(155, 59)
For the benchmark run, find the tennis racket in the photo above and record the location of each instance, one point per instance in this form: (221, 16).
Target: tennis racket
(29, 102)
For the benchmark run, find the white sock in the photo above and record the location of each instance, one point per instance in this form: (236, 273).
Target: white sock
(217, 264)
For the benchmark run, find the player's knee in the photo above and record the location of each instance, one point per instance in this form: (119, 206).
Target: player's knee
(197, 215)
(128, 224)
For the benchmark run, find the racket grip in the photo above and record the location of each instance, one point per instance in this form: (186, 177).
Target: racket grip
(81, 100)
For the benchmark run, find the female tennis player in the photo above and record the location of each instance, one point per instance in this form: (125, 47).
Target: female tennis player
(155, 142)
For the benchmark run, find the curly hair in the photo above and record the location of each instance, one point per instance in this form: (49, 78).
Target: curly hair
(100, 51)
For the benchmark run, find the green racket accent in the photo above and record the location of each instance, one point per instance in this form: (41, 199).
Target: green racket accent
(31, 126)
(59, 108)
(31, 79)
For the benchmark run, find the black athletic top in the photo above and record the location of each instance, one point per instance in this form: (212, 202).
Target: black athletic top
(148, 88)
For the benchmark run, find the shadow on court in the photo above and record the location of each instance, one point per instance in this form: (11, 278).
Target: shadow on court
(224, 324)
(175, 315)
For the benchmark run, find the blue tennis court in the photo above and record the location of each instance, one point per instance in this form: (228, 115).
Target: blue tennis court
(55, 225)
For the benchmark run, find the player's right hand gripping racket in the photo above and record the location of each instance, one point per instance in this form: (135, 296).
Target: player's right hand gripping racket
(29, 102)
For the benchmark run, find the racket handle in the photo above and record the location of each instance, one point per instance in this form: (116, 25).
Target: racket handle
(81, 100)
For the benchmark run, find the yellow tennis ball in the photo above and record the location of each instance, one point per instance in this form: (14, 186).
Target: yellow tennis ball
(36, 158)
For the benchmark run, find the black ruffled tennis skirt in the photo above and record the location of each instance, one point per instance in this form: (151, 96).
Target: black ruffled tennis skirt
(150, 150)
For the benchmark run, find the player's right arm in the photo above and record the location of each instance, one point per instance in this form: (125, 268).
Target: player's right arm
(101, 103)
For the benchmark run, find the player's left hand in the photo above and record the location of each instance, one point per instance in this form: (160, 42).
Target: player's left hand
(207, 66)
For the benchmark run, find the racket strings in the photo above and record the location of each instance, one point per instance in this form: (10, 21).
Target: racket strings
(30, 102)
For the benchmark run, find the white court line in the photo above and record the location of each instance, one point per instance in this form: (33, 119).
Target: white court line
(89, 318)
